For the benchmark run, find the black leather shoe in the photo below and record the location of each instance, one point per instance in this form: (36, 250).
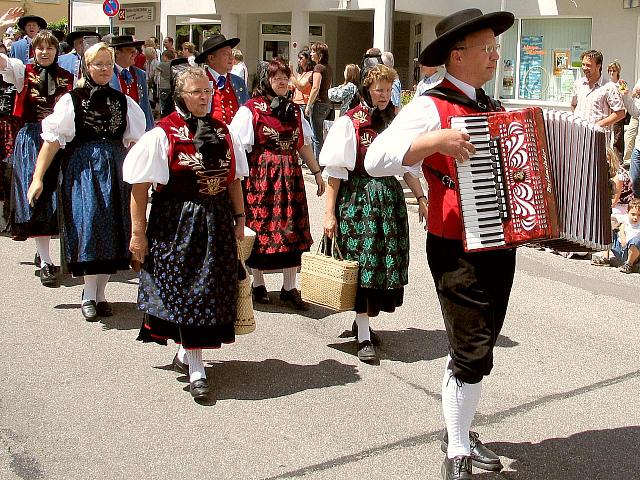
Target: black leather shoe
(375, 338)
(199, 389)
(366, 352)
(260, 294)
(179, 367)
(104, 309)
(293, 298)
(49, 276)
(89, 310)
(481, 456)
(457, 468)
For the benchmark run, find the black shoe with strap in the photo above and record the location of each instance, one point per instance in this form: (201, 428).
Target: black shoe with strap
(88, 309)
(481, 456)
(179, 366)
(456, 468)
(366, 352)
(199, 389)
(260, 294)
(293, 298)
(49, 276)
(104, 309)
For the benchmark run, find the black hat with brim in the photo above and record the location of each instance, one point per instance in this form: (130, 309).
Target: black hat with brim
(121, 41)
(456, 26)
(22, 22)
(73, 36)
(213, 43)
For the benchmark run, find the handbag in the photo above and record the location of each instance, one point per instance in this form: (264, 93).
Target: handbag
(245, 321)
(329, 280)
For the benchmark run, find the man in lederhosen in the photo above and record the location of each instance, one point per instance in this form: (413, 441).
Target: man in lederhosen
(473, 288)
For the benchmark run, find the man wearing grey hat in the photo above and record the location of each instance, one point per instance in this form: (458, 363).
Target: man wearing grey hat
(229, 90)
(473, 288)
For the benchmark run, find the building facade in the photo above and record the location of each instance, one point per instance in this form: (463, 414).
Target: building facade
(50, 10)
(539, 57)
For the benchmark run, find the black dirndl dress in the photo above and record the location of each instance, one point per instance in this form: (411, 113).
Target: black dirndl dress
(189, 280)
(95, 199)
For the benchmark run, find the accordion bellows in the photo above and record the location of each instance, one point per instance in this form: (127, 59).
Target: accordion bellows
(329, 281)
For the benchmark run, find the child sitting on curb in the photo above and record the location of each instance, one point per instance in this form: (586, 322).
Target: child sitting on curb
(626, 245)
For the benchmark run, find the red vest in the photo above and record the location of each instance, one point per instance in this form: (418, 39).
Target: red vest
(444, 209)
(224, 103)
(32, 106)
(190, 174)
(365, 134)
(130, 90)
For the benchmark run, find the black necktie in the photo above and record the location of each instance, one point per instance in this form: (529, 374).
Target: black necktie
(482, 100)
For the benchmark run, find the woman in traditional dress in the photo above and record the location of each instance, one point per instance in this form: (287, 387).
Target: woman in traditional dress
(270, 128)
(93, 124)
(366, 215)
(39, 85)
(189, 275)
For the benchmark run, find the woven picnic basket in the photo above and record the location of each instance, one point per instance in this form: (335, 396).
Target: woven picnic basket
(245, 320)
(328, 280)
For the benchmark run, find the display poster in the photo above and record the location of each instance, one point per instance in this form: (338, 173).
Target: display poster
(531, 71)
(560, 61)
(567, 79)
(508, 81)
(577, 49)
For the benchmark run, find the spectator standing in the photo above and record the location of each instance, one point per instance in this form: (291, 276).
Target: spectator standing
(229, 90)
(301, 80)
(163, 76)
(345, 93)
(396, 89)
(188, 51)
(631, 130)
(614, 69)
(594, 99)
(319, 106)
(129, 79)
(632, 104)
(239, 68)
(72, 62)
(167, 43)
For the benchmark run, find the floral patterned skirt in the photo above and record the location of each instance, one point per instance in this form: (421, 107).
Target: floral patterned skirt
(190, 277)
(276, 209)
(373, 229)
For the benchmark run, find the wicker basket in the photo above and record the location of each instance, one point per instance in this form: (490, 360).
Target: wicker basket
(245, 320)
(329, 281)
(246, 244)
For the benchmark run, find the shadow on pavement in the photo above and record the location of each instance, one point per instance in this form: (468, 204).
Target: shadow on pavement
(410, 345)
(315, 312)
(590, 455)
(126, 315)
(272, 378)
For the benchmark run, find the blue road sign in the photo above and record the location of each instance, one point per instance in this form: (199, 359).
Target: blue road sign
(110, 7)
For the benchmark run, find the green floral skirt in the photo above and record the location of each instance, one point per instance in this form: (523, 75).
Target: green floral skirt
(373, 229)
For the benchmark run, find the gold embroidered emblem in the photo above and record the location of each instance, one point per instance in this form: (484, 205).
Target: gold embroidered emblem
(366, 139)
(262, 106)
(360, 116)
(275, 136)
(211, 181)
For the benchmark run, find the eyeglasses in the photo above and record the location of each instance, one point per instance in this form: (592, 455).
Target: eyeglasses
(199, 92)
(484, 48)
(102, 66)
(280, 79)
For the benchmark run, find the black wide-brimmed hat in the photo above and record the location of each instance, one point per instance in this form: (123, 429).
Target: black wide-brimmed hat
(121, 41)
(22, 22)
(73, 36)
(213, 43)
(453, 28)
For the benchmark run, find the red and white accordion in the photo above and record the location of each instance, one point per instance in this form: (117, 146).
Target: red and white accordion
(535, 177)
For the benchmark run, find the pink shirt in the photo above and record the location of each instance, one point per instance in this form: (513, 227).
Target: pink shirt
(594, 104)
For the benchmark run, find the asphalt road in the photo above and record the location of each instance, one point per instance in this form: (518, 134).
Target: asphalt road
(86, 401)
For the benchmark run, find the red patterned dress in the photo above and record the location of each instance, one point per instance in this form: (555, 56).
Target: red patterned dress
(275, 198)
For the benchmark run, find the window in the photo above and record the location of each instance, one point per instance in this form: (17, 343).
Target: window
(541, 58)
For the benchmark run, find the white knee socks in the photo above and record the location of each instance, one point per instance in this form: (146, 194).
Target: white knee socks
(42, 246)
(182, 355)
(258, 277)
(102, 281)
(289, 278)
(90, 287)
(459, 403)
(196, 365)
(362, 321)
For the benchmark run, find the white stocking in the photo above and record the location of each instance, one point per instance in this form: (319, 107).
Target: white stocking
(42, 246)
(459, 403)
(90, 287)
(196, 365)
(102, 285)
(182, 355)
(258, 277)
(362, 322)
(289, 278)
